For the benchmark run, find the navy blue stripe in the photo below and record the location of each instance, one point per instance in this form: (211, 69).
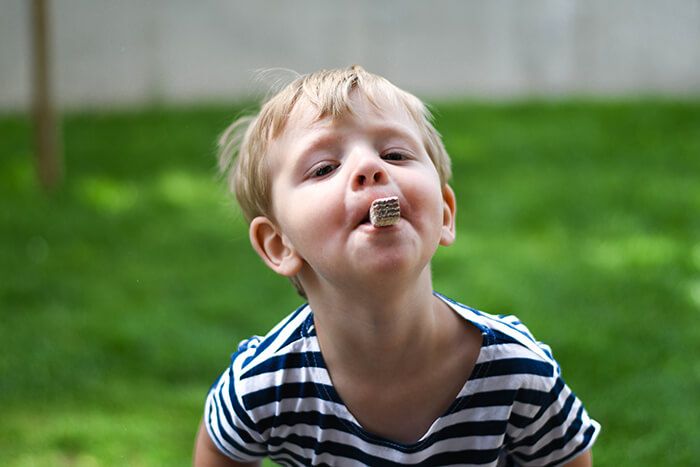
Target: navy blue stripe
(269, 339)
(504, 397)
(513, 326)
(283, 461)
(546, 352)
(513, 366)
(557, 443)
(556, 420)
(499, 337)
(339, 449)
(282, 451)
(328, 421)
(312, 417)
(476, 428)
(296, 335)
(523, 333)
(487, 399)
(531, 396)
(457, 430)
(245, 437)
(551, 397)
(513, 322)
(240, 412)
(518, 421)
(213, 435)
(510, 462)
(289, 390)
(465, 456)
(587, 436)
(285, 361)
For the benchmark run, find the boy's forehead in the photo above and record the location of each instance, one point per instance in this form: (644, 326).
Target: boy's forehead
(306, 115)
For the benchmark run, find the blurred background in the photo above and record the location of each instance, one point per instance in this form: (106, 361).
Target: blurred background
(120, 54)
(126, 277)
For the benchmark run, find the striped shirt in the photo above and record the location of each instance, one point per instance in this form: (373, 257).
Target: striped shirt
(276, 400)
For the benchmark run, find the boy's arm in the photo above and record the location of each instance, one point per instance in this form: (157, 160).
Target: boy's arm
(207, 455)
(583, 460)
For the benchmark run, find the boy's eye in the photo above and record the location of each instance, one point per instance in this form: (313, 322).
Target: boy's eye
(323, 170)
(393, 156)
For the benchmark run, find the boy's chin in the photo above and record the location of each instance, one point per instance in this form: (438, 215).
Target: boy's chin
(379, 275)
(387, 267)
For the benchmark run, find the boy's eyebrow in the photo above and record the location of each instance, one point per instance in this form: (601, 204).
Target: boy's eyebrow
(309, 146)
(316, 143)
(312, 144)
(395, 129)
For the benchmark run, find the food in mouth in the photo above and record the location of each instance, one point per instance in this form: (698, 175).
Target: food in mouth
(385, 211)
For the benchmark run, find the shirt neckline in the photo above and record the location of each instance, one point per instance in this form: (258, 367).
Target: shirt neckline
(317, 360)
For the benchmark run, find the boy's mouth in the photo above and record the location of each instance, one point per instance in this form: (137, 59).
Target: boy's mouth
(364, 220)
(380, 213)
(385, 212)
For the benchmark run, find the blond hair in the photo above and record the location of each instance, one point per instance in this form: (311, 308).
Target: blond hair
(244, 145)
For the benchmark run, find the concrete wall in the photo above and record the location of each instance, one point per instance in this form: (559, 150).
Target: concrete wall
(117, 53)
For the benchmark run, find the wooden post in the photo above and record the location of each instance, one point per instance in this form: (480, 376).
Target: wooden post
(48, 158)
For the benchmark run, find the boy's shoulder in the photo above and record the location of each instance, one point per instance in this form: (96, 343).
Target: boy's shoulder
(506, 337)
(258, 354)
(282, 365)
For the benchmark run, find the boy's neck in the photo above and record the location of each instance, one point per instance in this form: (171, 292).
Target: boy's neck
(378, 330)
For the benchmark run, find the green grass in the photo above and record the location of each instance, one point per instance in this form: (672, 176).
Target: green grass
(122, 296)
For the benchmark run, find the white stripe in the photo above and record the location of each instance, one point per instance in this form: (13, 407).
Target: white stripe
(506, 383)
(230, 430)
(212, 426)
(219, 422)
(482, 414)
(284, 376)
(557, 432)
(383, 451)
(285, 330)
(227, 403)
(307, 404)
(510, 350)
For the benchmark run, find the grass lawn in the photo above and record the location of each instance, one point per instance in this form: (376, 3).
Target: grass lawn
(122, 296)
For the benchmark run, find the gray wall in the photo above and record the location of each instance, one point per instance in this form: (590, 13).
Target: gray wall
(118, 53)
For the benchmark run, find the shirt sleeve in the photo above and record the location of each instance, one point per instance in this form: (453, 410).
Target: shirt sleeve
(557, 430)
(229, 426)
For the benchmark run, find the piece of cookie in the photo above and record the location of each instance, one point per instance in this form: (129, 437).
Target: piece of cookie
(385, 211)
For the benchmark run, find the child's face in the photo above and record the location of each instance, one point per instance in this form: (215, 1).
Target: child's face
(325, 175)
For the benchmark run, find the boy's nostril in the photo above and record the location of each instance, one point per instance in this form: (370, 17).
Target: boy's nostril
(375, 177)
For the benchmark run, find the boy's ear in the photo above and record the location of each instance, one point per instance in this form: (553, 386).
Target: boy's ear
(274, 248)
(449, 212)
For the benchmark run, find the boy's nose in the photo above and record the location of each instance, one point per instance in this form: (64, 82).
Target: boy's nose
(369, 172)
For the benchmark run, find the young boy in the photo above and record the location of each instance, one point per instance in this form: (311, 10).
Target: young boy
(377, 369)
